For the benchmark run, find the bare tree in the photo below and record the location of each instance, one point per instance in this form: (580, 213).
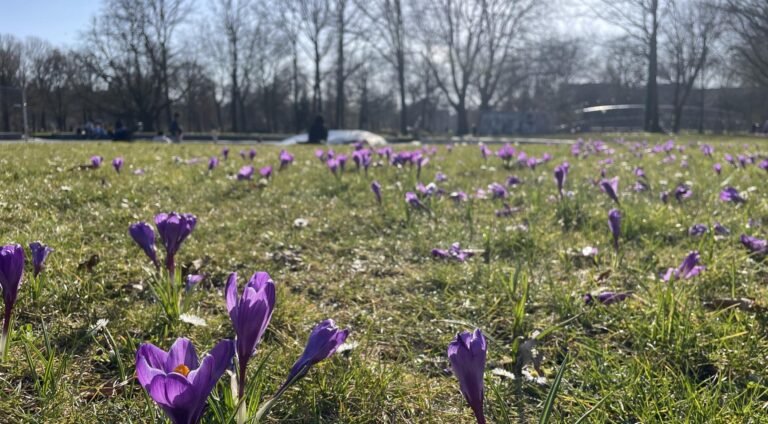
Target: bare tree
(291, 28)
(231, 18)
(692, 27)
(315, 17)
(10, 63)
(749, 23)
(388, 35)
(453, 31)
(119, 54)
(163, 19)
(640, 20)
(503, 23)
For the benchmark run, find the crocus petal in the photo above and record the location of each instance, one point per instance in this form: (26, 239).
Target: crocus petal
(11, 271)
(231, 293)
(182, 352)
(146, 373)
(155, 357)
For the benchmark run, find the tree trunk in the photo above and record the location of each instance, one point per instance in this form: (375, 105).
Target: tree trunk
(651, 91)
(678, 118)
(235, 93)
(317, 99)
(363, 118)
(462, 119)
(297, 119)
(340, 66)
(401, 83)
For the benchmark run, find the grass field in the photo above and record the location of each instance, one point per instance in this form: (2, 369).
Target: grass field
(675, 351)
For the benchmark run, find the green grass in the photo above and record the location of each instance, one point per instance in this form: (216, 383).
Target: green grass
(658, 357)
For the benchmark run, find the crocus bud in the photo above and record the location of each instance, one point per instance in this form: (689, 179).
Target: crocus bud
(117, 163)
(614, 223)
(466, 354)
(376, 189)
(144, 236)
(39, 253)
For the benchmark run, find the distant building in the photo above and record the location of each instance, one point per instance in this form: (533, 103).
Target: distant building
(610, 106)
(630, 117)
(510, 123)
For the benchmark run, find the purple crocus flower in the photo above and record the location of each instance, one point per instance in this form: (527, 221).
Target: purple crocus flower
(754, 244)
(174, 228)
(697, 230)
(243, 154)
(641, 186)
(614, 223)
(421, 162)
(376, 189)
(245, 173)
(721, 230)
(506, 153)
(485, 151)
(560, 173)
(440, 177)
(729, 158)
(466, 354)
(763, 165)
(413, 201)
(11, 270)
(506, 211)
(117, 163)
(192, 280)
(664, 196)
(513, 181)
(320, 154)
(682, 192)
(177, 381)
(285, 159)
(707, 149)
(718, 168)
(333, 165)
(96, 161)
(251, 154)
(342, 161)
(454, 253)
(323, 341)
(689, 268)
(250, 315)
(213, 162)
(459, 196)
(225, 153)
(144, 236)
(639, 172)
(266, 172)
(39, 253)
(611, 188)
(730, 194)
(498, 191)
(606, 297)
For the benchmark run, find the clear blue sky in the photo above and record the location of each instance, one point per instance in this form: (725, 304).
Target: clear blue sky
(58, 21)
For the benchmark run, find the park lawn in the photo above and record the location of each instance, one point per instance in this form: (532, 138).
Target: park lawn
(661, 356)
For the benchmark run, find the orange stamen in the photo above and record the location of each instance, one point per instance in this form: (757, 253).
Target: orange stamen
(182, 369)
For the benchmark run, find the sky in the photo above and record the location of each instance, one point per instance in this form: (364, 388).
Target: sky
(58, 21)
(61, 21)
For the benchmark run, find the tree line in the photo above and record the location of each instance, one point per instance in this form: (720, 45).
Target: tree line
(389, 65)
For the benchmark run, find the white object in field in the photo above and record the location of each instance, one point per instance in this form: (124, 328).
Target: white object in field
(341, 137)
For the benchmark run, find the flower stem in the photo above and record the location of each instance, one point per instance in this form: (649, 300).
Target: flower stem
(4, 339)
